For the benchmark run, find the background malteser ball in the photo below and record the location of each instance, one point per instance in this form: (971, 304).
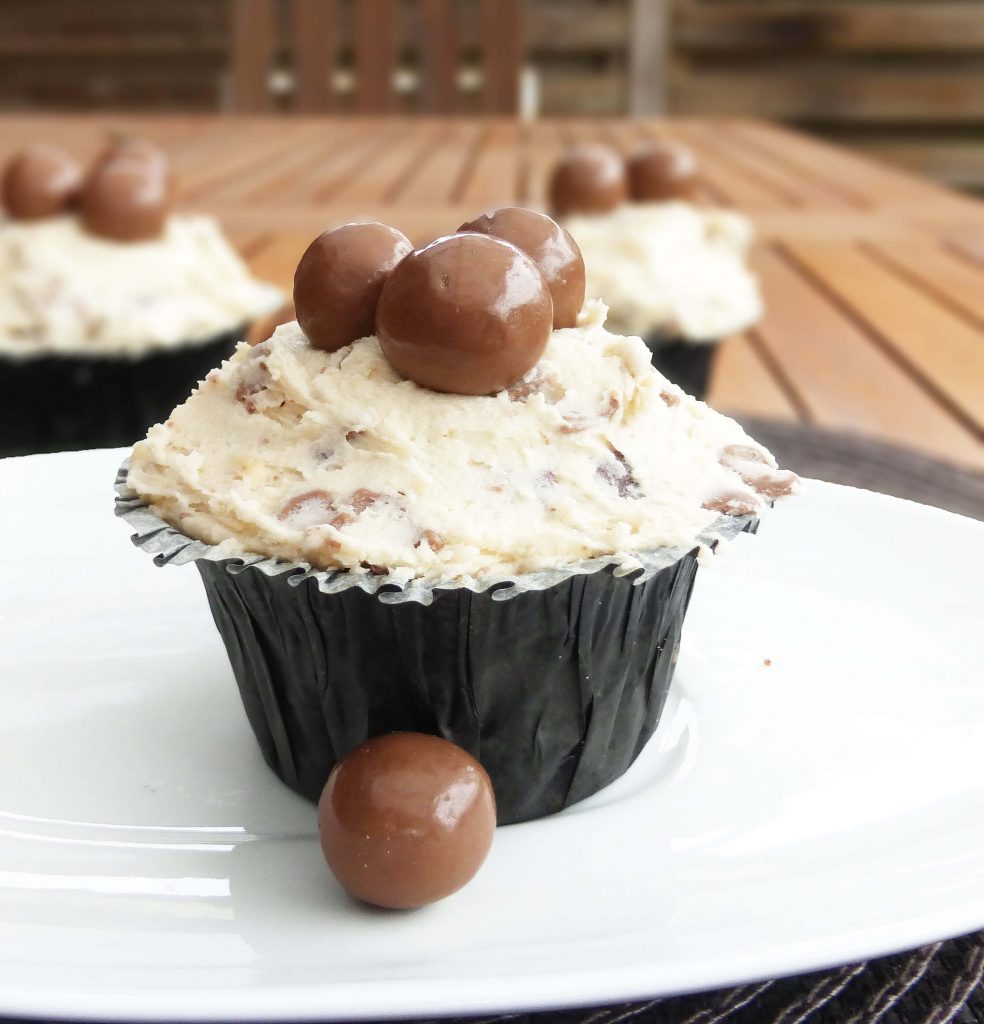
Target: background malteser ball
(550, 247)
(40, 181)
(406, 819)
(468, 314)
(662, 170)
(588, 179)
(126, 199)
(339, 279)
(136, 150)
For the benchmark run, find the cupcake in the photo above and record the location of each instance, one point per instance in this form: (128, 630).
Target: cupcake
(111, 306)
(672, 272)
(480, 519)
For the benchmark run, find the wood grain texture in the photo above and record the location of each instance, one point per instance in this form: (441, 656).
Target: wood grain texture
(313, 31)
(501, 32)
(839, 26)
(375, 55)
(939, 349)
(873, 278)
(252, 42)
(440, 57)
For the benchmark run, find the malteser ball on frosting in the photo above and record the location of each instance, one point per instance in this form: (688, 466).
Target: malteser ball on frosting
(588, 179)
(468, 314)
(127, 197)
(662, 170)
(40, 181)
(339, 279)
(550, 247)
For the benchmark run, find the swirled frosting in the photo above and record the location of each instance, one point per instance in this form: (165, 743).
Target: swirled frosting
(334, 460)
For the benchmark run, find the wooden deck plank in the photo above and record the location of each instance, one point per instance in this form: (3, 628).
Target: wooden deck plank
(542, 146)
(493, 178)
(875, 183)
(940, 349)
(842, 377)
(799, 191)
(742, 383)
(441, 171)
(339, 162)
(251, 148)
(271, 174)
(380, 179)
(941, 273)
(733, 183)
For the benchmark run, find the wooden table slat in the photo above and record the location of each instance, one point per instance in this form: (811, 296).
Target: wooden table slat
(742, 382)
(841, 377)
(929, 265)
(873, 277)
(938, 347)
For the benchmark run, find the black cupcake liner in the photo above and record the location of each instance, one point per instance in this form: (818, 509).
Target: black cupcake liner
(686, 363)
(555, 692)
(69, 403)
(553, 681)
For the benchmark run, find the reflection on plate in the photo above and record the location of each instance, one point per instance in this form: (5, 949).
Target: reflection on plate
(813, 795)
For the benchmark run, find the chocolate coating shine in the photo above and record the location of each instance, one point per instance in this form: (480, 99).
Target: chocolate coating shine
(406, 819)
(662, 170)
(40, 181)
(468, 314)
(339, 279)
(588, 179)
(550, 247)
(126, 197)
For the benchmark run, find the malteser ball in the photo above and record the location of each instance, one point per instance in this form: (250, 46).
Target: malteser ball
(662, 170)
(406, 819)
(339, 280)
(588, 179)
(550, 247)
(40, 181)
(469, 314)
(126, 199)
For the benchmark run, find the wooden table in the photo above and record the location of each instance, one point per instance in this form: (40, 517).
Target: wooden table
(873, 278)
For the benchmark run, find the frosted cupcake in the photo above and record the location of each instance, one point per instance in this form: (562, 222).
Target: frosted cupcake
(448, 499)
(672, 272)
(110, 305)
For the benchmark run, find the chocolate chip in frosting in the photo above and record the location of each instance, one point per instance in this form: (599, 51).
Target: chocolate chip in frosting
(40, 181)
(363, 498)
(550, 247)
(433, 540)
(312, 508)
(662, 170)
(339, 279)
(619, 474)
(774, 484)
(742, 453)
(468, 314)
(588, 179)
(732, 503)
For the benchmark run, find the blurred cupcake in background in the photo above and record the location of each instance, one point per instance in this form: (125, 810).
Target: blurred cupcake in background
(112, 307)
(673, 273)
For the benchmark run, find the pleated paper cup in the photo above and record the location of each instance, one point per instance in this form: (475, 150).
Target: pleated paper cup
(553, 680)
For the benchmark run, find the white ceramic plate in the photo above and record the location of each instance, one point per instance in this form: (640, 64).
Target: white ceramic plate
(814, 794)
